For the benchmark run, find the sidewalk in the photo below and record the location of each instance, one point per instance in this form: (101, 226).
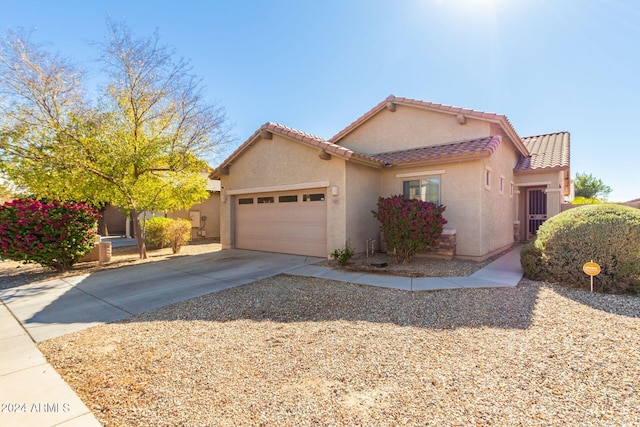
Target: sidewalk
(32, 393)
(503, 272)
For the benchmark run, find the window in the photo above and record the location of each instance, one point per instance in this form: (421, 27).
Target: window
(501, 187)
(313, 197)
(511, 185)
(266, 200)
(487, 178)
(288, 199)
(245, 201)
(425, 189)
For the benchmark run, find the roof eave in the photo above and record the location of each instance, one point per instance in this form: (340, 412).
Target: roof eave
(531, 171)
(454, 158)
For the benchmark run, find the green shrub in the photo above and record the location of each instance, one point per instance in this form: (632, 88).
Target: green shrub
(606, 234)
(179, 233)
(342, 256)
(530, 257)
(409, 226)
(52, 234)
(155, 232)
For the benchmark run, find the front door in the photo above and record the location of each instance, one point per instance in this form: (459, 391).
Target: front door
(536, 211)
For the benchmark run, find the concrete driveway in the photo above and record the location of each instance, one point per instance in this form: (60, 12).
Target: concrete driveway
(58, 307)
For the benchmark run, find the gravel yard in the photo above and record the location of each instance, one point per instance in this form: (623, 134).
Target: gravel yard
(299, 351)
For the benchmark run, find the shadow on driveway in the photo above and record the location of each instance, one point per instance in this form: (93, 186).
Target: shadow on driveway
(62, 306)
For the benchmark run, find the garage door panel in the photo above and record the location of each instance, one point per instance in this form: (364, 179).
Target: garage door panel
(296, 227)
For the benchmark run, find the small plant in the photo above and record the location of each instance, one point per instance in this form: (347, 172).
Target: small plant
(342, 256)
(179, 233)
(54, 234)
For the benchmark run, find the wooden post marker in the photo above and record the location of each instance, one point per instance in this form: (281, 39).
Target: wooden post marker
(592, 269)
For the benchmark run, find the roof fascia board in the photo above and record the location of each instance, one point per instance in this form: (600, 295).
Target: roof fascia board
(441, 161)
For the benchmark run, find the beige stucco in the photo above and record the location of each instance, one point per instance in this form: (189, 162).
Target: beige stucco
(460, 191)
(553, 184)
(411, 127)
(209, 208)
(499, 206)
(362, 192)
(272, 165)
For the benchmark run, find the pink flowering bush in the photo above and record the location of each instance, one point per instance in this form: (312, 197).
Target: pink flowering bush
(52, 234)
(409, 226)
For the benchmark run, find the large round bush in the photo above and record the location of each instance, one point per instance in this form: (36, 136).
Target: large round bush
(607, 234)
(156, 233)
(54, 234)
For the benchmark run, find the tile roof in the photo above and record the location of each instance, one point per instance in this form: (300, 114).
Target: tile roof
(500, 119)
(454, 151)
(550, 151)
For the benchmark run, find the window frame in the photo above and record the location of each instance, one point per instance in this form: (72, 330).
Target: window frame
(488, 172)
(423, 183)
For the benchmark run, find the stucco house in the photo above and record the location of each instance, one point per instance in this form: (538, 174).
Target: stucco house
(288, 191)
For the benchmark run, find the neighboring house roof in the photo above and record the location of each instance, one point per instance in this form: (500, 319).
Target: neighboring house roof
(498, 119)
(457, 151)
(550, 151)
(296, 135)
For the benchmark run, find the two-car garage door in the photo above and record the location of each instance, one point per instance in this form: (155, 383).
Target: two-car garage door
(293, 222)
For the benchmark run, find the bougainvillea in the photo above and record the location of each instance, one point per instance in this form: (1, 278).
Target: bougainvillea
(52, 234)
(409, 226)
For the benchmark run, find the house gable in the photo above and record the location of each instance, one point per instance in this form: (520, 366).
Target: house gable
(403, 123)
(325, 149)
(410, 128)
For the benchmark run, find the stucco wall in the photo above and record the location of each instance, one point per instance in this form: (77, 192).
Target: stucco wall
(552, 182)
(498, 207)
(362, 192)
(410, 127)
(209, 208)
(281, 162)
(461, 193)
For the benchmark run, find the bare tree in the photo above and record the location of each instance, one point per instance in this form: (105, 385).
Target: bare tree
(139, 147)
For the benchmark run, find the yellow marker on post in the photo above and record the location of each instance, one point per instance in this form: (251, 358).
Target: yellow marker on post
(592, 269)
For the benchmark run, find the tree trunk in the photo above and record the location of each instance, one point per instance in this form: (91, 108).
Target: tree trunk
(102, 221)
(137, 230)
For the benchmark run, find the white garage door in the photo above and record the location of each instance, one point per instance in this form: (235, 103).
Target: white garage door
(292, 222)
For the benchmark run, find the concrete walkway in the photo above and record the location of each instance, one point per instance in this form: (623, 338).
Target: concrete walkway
(503, 272)
(32, 393)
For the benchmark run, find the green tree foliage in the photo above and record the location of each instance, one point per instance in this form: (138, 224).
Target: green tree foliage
(604, 233)
(53, 234)
(5, 193)
(139, 146)
(584, 201)
(409, 226)
(589, 187)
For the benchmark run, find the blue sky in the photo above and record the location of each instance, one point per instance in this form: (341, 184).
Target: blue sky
(548, 65)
